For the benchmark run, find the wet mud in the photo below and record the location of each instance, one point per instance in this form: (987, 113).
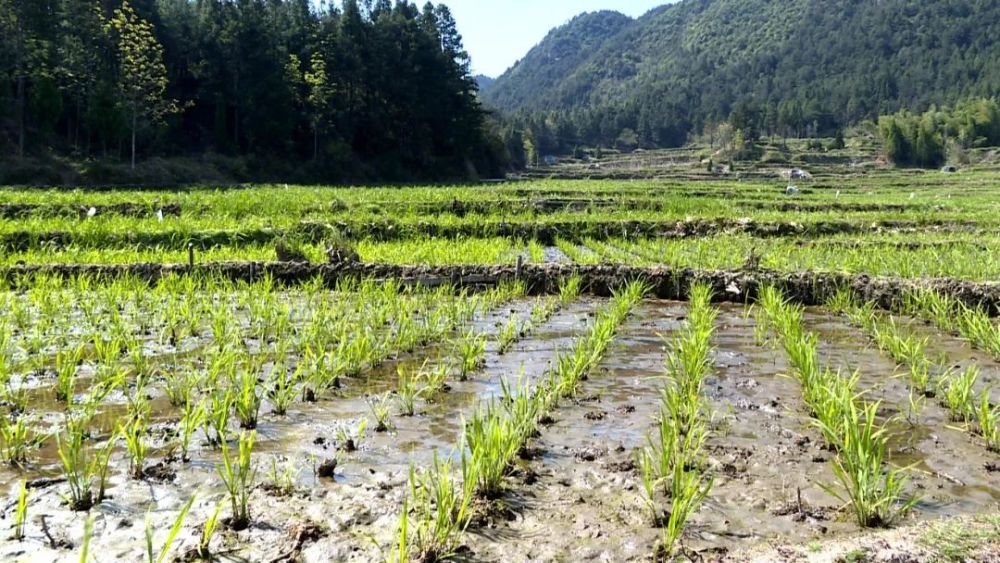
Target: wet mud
(577, 496)
(738, 286)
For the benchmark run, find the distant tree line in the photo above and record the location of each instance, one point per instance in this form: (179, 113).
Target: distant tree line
(925, 139)
(371, 88)
(560, 132)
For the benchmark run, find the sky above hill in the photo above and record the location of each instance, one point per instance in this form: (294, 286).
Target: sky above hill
(498, 33)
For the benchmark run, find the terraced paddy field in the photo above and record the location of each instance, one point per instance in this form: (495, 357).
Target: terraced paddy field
(705, 370)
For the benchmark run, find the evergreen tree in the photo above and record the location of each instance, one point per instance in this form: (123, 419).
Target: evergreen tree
(383, 84)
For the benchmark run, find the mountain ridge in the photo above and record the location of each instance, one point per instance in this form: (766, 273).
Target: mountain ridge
(682, 66)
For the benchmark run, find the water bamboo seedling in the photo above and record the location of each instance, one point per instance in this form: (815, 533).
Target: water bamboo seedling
(171, 536)
(876, 495)
(959, 395)
(208, 531)
(281, 390)
(17, 441)
(406, 391)
(239, 477)
(80, 464)
(470, 350)
(21, 512)
(441, 510)
(192, 418)
(378, 406)
(134, 433)
(988, 417)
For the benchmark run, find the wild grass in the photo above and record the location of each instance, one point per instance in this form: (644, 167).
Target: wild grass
(350, 441)
(963, 540)
(281, 476)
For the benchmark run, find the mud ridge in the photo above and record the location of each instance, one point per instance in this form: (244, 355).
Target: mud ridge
(738, 286)
(551, 203)
(545, 233)
(25, 210)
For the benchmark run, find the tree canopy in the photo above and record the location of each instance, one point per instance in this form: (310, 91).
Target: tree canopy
(367, 88)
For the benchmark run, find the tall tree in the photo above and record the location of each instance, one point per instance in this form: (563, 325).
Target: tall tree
(319, 98)
(142, 74)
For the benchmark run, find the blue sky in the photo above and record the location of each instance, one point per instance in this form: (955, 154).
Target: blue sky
(499, 32)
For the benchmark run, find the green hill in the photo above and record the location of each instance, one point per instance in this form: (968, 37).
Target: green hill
(799, 66)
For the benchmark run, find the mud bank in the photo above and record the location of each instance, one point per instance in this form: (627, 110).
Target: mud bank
(24, 210)
(807, 288)
(552, 203)
(545, 233)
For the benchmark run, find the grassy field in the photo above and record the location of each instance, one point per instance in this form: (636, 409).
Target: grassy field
(201, 417)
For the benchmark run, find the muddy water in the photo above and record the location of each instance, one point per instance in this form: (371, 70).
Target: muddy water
(956, 354)
(767, 457)
(362, 500)
(579, 499)
(949, 468)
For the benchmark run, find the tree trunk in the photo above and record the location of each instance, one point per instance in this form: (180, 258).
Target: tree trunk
(315, 143)
(20, 115)
(134, 121)
(236, 113)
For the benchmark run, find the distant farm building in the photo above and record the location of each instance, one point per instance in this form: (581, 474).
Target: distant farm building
(798, 174)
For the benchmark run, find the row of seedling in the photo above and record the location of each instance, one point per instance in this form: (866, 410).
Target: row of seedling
(231, 382)
(233, 378)
(956, 389)
(467, 353)
(672, 465)
(972, 323)
(541, 311)
(868, 484)
(440, 505)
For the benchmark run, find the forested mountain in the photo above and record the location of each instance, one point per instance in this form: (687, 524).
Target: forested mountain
(483, 81)
(372, 88)
(792, 66)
